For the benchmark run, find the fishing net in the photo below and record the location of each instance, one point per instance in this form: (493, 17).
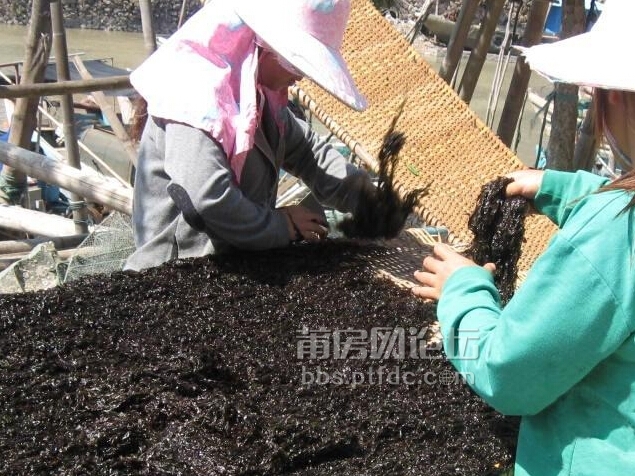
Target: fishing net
(104, 251)
(35, 271)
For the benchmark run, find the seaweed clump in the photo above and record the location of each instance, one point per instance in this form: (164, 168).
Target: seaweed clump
(380, 211)
(498, 224)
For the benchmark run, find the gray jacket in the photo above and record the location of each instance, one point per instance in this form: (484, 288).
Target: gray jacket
(187, 203)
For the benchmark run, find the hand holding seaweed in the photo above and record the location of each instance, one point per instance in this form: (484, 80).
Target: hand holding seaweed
(498, 226)
(437, 268)
(380, 211)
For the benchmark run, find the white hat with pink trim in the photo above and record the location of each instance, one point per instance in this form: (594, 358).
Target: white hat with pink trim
(309, 35)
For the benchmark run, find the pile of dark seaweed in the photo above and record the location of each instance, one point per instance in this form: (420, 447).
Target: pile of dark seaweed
(193, 368)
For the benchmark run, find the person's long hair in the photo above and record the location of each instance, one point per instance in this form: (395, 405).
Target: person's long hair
(625, 182)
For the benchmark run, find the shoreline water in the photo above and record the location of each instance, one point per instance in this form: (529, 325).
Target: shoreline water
(127, 50)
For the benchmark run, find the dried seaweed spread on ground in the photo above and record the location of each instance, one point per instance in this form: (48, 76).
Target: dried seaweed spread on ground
(194, 368)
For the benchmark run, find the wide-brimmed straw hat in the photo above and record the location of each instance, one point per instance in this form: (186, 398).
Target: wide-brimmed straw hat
(601, 58)
(308, 34)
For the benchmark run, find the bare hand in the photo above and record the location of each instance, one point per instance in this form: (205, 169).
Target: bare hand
(303, 224)
(437, 269)
(526, 183)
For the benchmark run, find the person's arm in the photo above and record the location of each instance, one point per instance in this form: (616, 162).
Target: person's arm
(559, 192)
(333, 180)
(561, 323)
(202, 187)
(564, 319)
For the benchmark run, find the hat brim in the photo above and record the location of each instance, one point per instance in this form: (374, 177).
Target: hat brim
(322, 64)
(589, 59)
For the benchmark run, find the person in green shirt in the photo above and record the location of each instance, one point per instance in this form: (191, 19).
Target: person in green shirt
(561, 353)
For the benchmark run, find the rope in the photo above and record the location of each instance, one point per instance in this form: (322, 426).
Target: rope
(75, 206)
(544, 110)
(501, 71)
(420, 21)
(519, 123)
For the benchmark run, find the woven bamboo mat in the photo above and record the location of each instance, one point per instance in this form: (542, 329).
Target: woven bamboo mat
(400, 257)
(447, 145)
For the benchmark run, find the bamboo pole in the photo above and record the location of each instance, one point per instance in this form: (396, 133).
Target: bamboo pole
(110, 114)
(458, 39)
(82, 146)
(147, 25)
(424, 13)
(78, 206)
(182, 13)
(15, 64)
(34, 222)
(25, 246)
(93, 156)
(65, 87)
(560, 148)
(520, 80)
(587, 144)
(479, 53)
(93, 187)
(23, 122)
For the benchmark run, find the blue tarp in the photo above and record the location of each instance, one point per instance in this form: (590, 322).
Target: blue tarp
(4, 137)
(553, 24)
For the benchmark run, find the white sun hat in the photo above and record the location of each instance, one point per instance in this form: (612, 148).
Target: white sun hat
(308, 34)
(601, 58)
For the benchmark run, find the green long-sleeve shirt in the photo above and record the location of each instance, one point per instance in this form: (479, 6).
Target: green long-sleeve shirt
(562, 352)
